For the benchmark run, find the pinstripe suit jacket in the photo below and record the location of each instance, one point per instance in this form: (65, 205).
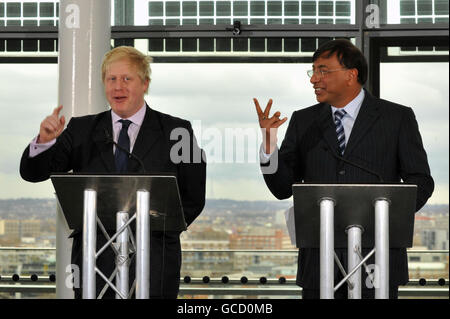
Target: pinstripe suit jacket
(385, 139)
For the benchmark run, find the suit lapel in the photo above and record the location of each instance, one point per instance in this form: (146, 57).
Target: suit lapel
(327, 127)
(149, 133)
(100, 137)
(367, 116)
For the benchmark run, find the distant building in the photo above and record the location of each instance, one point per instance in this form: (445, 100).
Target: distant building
(199, 260)
(15, 228)
(260, 238)
(257, 238)
(435, 238)
(432, 231)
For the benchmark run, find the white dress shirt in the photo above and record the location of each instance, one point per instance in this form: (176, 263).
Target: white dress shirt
(133, 129)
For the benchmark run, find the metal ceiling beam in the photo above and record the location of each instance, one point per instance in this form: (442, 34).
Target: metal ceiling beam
(221, 31)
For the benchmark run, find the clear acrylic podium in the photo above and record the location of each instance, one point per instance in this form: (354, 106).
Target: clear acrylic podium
(114, 202)
(354, 216)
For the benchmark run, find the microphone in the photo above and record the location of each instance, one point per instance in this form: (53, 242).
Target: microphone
(380, 179)
(109, 139)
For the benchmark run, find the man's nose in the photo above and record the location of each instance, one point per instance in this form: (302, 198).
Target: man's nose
(315, 78)
(118, 85)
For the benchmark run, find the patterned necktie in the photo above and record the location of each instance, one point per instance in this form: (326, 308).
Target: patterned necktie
(338, 115)
(120, 156)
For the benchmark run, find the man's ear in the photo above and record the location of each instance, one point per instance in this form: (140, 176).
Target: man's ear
(353, 74)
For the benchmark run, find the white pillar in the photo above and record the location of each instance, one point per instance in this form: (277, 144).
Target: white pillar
(382, 248)
(353, 260)
(89, 243)
(326, 248)
(142, 244)
(84, 37)
(122, 261)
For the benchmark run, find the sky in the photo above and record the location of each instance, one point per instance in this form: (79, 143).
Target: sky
(217, 99)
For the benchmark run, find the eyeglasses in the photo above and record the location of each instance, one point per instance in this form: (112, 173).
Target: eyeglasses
(322, 73)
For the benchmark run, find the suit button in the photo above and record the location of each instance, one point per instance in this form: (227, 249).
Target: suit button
(342, 172)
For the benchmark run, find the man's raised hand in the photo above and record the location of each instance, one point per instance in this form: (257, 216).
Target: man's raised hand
(52, 126)
(269, 125)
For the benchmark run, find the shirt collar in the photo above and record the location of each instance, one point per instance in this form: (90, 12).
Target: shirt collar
(137, 118)
(353, 107)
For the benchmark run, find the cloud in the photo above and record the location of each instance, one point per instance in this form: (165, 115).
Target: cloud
(422, 86)
(29, 94)
(238, 189)
(12, 186)
(440, 194)
(225, 92)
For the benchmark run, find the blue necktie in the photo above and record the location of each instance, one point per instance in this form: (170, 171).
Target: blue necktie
(120, 156)
(338, 115)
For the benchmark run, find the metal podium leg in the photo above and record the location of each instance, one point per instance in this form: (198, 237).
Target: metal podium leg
(326, 248)
(122, 262)
(89, 243)
(143, 245)
(354, 245)
(382, 248)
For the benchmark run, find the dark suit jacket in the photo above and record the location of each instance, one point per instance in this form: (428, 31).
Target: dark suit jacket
(385, 139)
(83, 148)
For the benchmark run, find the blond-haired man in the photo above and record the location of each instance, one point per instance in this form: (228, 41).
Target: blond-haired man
(84, 148)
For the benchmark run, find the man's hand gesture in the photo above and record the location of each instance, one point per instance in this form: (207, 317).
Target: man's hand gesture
(52, 126)
(269, 125)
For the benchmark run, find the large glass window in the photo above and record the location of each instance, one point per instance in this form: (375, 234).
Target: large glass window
(413, 11)
(233, 170)
(247, 12)
(230, 136)
(240, 212)
(29, 95)
(27, 210)
(29, 13)
(424, 87)
(397, 83)
(231, 88)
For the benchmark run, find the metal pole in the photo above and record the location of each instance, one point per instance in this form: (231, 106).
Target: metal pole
(354, 245)
(381, 248)
(122, 261)
(362, 262)
(89, 242)
(84, 37)
(326, 248)
(64, 286)
(143, 245)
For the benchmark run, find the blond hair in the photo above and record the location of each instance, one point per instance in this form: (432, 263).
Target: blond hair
(135, 57)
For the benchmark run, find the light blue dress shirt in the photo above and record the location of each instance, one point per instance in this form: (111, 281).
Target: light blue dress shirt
(133, 130)
(352, 110)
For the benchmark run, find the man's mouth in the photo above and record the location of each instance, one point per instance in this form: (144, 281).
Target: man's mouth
(318, 90)
(120, 98)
